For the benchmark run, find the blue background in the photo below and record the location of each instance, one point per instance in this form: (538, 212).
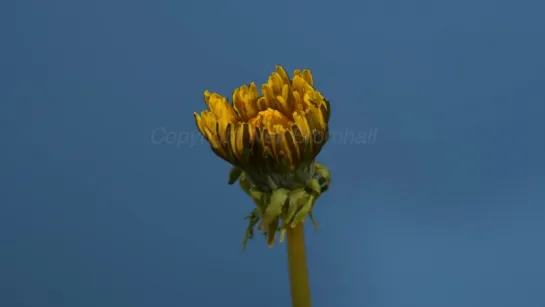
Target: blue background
(445, 208)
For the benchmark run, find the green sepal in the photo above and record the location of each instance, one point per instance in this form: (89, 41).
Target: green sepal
(314, 186)
(271, 232)
(253, 219)
(256, 194)
(297, 197)
(324, 185)
(323, 173)
(274, 208)
(234, 174)
(259, 198)
(245, 184)
(282, 234)
(302, 213)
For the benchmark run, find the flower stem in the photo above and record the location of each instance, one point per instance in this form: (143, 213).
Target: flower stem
(297, 262)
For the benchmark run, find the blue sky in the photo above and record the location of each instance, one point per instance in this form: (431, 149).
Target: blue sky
(444, 208)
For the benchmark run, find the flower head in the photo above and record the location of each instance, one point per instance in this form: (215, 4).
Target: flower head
(271, 139)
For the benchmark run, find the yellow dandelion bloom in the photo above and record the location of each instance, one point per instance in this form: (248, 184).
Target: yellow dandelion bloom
(272, 140)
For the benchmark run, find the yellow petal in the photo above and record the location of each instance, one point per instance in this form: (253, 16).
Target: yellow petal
(302, 124)
(220, 106)
(283, 74)
(308, 77)
(207, 124)
(277, 82)
(241, 138)
(198, 121)
(274, 91)
(279, 145)
(300, 84)
(268, 92)
(299, 105)
(262, 104)
(233, 140)
(285, 101)
(315, 119)
(270, 119)
(245, 101)
(222, 129)
(269, 97)
(291, 149)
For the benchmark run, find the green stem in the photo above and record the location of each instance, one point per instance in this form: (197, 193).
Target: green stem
(297, 262)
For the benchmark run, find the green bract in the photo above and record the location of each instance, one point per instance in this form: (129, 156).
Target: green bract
(281, 208)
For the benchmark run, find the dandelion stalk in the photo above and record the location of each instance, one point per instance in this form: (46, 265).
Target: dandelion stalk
(297, 262)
